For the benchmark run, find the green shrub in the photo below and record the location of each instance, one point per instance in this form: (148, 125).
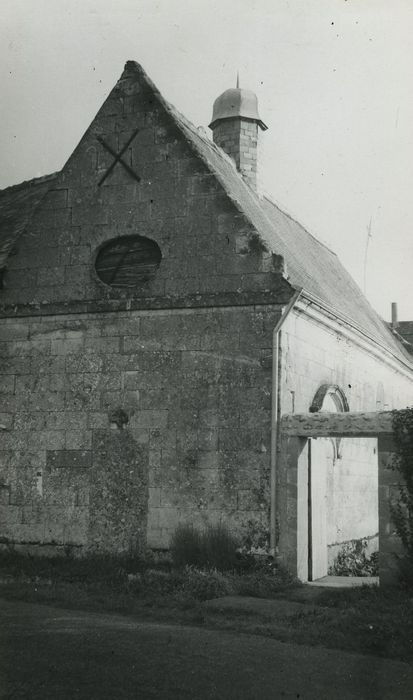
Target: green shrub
(402, 510)
(214, 548)
(352, 560)
(405, 566)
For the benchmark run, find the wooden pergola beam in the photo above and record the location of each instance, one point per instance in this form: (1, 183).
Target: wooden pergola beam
(357, 425)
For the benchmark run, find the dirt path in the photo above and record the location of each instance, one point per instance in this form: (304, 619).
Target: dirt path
(50, 653)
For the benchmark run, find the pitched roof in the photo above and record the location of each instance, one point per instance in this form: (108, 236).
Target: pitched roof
(309, 263)
(17, 205)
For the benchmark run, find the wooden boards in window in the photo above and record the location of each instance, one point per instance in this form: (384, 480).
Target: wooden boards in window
(128, 261)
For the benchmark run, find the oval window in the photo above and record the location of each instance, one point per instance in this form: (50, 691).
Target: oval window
(128, 261)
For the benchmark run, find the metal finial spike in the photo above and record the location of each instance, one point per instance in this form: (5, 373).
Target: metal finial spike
(238, 79)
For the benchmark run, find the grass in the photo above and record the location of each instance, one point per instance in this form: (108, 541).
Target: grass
(365, 620)
(142, 578)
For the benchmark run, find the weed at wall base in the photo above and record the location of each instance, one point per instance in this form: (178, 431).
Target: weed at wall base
(214, 548)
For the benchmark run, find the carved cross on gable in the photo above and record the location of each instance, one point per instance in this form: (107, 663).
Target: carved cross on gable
(118, 158)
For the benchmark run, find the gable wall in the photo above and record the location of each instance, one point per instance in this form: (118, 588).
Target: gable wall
(124, 412)
(207, 246)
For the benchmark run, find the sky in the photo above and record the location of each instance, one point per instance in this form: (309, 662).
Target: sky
(333, 80)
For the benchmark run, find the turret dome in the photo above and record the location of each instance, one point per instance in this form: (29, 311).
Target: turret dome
(236, 102)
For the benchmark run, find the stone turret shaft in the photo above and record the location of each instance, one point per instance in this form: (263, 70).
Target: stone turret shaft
(234, 125)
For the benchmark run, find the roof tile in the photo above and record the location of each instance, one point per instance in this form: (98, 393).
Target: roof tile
(17, 204)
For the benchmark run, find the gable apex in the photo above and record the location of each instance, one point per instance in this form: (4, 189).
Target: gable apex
(134, 107)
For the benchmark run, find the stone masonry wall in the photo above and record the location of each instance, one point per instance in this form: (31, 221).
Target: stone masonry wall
(129, 410)
(111, 415)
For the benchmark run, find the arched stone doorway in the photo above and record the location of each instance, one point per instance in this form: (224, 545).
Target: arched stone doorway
(343, 489)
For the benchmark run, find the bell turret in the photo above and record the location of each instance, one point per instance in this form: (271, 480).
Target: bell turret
(235, 122)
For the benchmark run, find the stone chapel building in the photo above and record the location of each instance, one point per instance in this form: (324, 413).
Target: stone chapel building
(157, 317)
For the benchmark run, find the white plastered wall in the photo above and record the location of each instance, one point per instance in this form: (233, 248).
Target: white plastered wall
(315, 352)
